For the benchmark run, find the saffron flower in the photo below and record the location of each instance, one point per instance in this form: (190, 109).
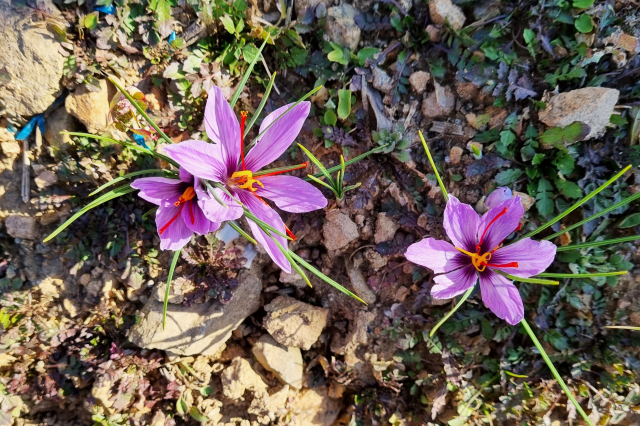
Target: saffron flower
(477, 254)
(179, 204)
(224, 162)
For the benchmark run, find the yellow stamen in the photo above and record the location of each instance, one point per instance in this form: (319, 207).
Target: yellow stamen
(244, 179)
(187, 195)
(480, 262)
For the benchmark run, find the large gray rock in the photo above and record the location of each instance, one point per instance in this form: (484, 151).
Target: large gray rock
(202, 328)
(30, 54)
(24, 227)
(591, 105)
(341, 26)
(294, 323)
(284, 362)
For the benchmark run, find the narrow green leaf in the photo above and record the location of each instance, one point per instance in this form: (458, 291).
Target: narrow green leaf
(455, 308)
(520, 376)
(599, 243)
(243, 82)
(174, 262)
(597, 274)
(350, 162)
(323, 171)
(265, 226)
(323, 276)
(123, 177)
(292, 262)
(555, 373)
(624, 327)
(426, 149)
(595, 216)
(241, 232)
(263, 102)
(195, 414)
(149, 213)
(344, 103)
(529, 280)
(576, 205)
(277, 169)
(118, 192)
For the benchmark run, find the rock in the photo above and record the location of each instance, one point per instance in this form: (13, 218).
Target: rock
(356, 336)
(455, 155)
(439, 103)
(9, 147)
(294, 323)
(434, 33)
(358, 280)
(313, 407)
(24, 227)
(444, 11)
(60, 120)
(341, 27)
(70, 307)
(591, 105)
(339, 230)
(293, 278)
(271, 406)
(202, 328)
(302, 5)
(634, 318)
(30, 54)
(526, 199)
(238, 377)
(91, 108)
(284, 362)
(46, 179)
(419, 80)
(386, 228)
(321, 96)
(382, 81)
(49, 287)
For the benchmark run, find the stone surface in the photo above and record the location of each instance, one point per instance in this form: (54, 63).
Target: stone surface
(356, 335)
(419, 80)
(358, 280)
(339, 230)
(455, 155)
(302, 5)
(202, 328)
(340, 26)
(24, 227)
(238, 377)
(439, 103)
(386, 228)
(294, 323)
(591, 105)
(527, 200)
(60, 120)
(9, 147)
(91, 108)
(444, 11)
(313, 407)
(284, 362)
(30, 54)
(382, 81)
(434, 33)
(46, 178)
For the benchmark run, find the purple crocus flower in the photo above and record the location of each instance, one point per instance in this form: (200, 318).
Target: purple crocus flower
(496, 197)
(477, 253)
(223, 161)
(179, 204)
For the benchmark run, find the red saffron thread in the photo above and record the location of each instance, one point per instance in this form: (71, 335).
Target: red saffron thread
(243, 119)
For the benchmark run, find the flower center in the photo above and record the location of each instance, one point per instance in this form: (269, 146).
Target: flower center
(187, 195)
(245, 180)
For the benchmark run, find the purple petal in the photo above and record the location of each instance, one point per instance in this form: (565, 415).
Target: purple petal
(498, 196)
(176, 235)
(199, 158)
(223, 127)
(279, 136)
(215, 211)
(461, 223)
(291, 194)
(269, 216)
(185, 176)
(158, 190)
(533, 257)
(508, 214)
(437, 255)
(501, 296)
(195, 219)
(454, 283)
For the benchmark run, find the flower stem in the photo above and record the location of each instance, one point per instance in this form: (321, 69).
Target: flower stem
(246, 75)
(174, 262)
(597, 274)
(595, 216)
(241, 232)
(130, 175)
(529, 280)
(599, 243)
(576, 205)
(263, 102)
(426, 149)
(555, 373)
(455, 308)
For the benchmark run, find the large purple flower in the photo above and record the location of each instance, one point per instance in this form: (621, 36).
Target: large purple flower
(224, 162)
(179, 204)
(477, 252)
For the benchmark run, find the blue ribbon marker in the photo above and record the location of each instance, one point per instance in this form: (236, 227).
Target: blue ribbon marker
(140, 140)
(26, 131)
(109, 10)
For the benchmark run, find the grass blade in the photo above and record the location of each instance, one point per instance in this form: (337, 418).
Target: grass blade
(265, 226)
(529, 280)
(599, 243)
(140, 110)
(278, 169)
(293, 262)
(316, 180)
(149, 213)
(576, 205)
(433, 164)
(595, 216)
(241, 232)
(123, 177)
(118, 192)
(350, 162)
(323, 277)
(455, 308)
(246, 75)
(314, 160)
(597, 274)
(176, 255)
(555, 373)
(624, 327)
(263, 102)
(214, 194)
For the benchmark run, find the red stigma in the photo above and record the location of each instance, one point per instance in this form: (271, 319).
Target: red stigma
(173, 219)
(300, 166)
(502, 213)
(243, 119)
(290, 234)
(504, 265)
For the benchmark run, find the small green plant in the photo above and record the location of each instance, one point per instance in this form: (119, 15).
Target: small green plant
(394, 142)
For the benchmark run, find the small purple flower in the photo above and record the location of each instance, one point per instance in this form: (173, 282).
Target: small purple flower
(477, 253)
(223, 161)
(179, 204)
